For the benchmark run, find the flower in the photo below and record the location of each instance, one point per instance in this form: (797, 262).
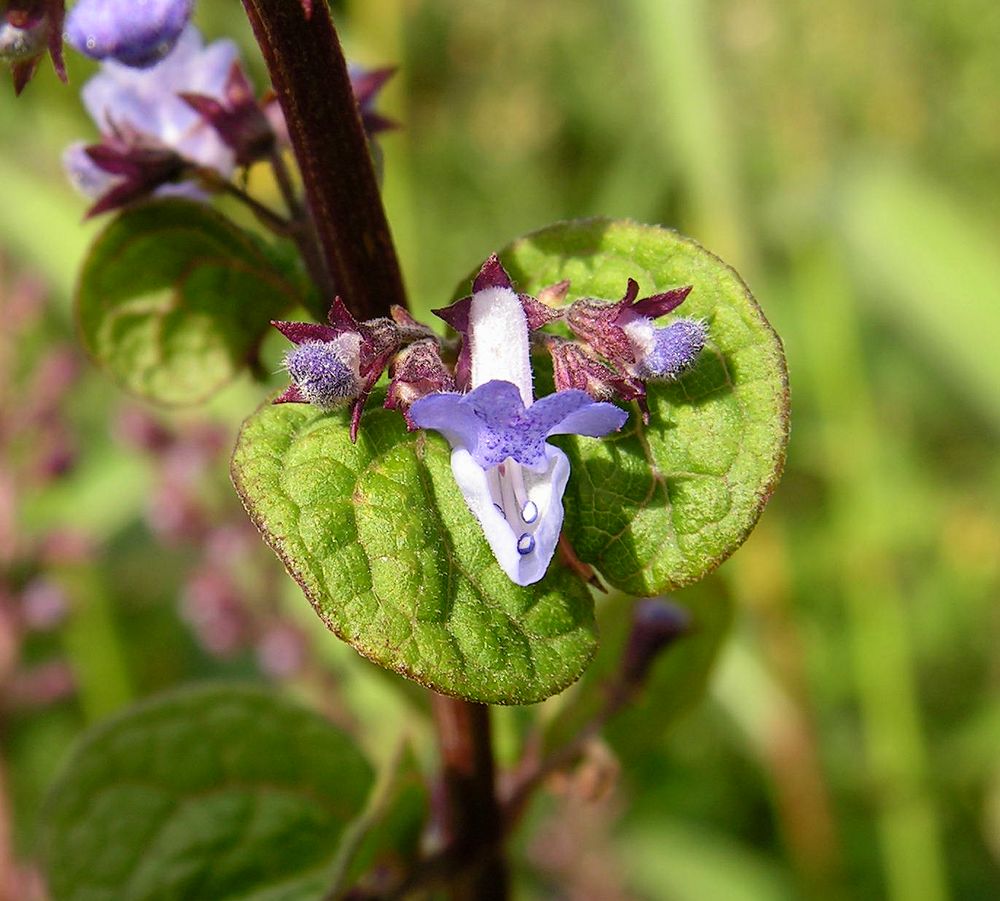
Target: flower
(141, 110)
(614, 330)
(240, 121)
(512, 479)
(137, 34)
(635, 350)
(339, 362)
(325, 373)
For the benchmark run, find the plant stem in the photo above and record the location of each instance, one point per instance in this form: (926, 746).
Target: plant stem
(473, 820)
(309, 75)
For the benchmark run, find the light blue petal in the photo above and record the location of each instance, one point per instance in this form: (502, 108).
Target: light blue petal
(450, 415)
(593, 420)
(497, 403)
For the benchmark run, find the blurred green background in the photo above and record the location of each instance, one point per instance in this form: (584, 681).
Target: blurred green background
(844, 158)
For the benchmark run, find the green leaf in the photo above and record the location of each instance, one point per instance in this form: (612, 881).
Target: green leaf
(174, 299)
(380, 539)
(660, 506)
(220, 792)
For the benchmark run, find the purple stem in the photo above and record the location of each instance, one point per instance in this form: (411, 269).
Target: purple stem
(309, 75)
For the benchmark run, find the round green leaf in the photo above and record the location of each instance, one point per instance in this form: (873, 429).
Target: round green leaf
(380, 539)
(173, 300)
(659, 506)
(219, 792)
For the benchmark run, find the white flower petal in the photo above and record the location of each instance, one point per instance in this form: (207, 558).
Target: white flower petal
(545, 490)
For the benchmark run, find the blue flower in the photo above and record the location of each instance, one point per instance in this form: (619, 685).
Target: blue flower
(136, 33)
(512, 479)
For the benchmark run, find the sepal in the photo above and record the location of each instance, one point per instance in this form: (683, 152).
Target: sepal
(237, 117)
(416, 372)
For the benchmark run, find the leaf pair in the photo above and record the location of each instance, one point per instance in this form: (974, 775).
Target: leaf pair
(174, 299)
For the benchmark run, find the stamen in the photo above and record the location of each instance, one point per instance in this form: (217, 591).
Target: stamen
(529, 512)
(500, 510)
(525, 544)
(496, 491)
(517, 483)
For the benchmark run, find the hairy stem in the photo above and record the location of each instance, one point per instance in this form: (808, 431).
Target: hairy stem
(309, 76)
(472, 817)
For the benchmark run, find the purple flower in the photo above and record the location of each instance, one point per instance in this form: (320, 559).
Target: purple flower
(624, 334)
(323, 353)
(141, 109)
(512, 479)
(136, 33)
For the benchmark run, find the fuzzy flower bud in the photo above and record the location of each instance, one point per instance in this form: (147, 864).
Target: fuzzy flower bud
(417, 371)
(665, 353)
(326, 372)
(606, 326)
(137, 34)
(362, 348)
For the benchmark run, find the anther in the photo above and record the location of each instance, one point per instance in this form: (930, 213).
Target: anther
(529, 512)
(525, 544)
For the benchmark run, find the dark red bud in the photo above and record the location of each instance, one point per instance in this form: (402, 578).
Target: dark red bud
(656, 624)
(417, 371)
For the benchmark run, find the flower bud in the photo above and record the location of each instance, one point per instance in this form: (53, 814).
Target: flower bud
(417, 371)
(326, 372)
(656, 625)
(617, 331)
(667, 352)
(18, 43)
(135, 34)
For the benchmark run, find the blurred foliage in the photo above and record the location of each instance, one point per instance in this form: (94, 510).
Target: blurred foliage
(843, 159)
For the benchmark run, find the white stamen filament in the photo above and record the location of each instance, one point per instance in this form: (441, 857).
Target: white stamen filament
(510, 497)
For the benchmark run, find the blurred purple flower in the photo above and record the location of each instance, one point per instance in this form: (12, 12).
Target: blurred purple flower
(149, 133)
(136, 33)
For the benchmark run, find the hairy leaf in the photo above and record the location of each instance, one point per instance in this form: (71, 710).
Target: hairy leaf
(380, 539)
(218, 792)
(174, 299)
(657, 507)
